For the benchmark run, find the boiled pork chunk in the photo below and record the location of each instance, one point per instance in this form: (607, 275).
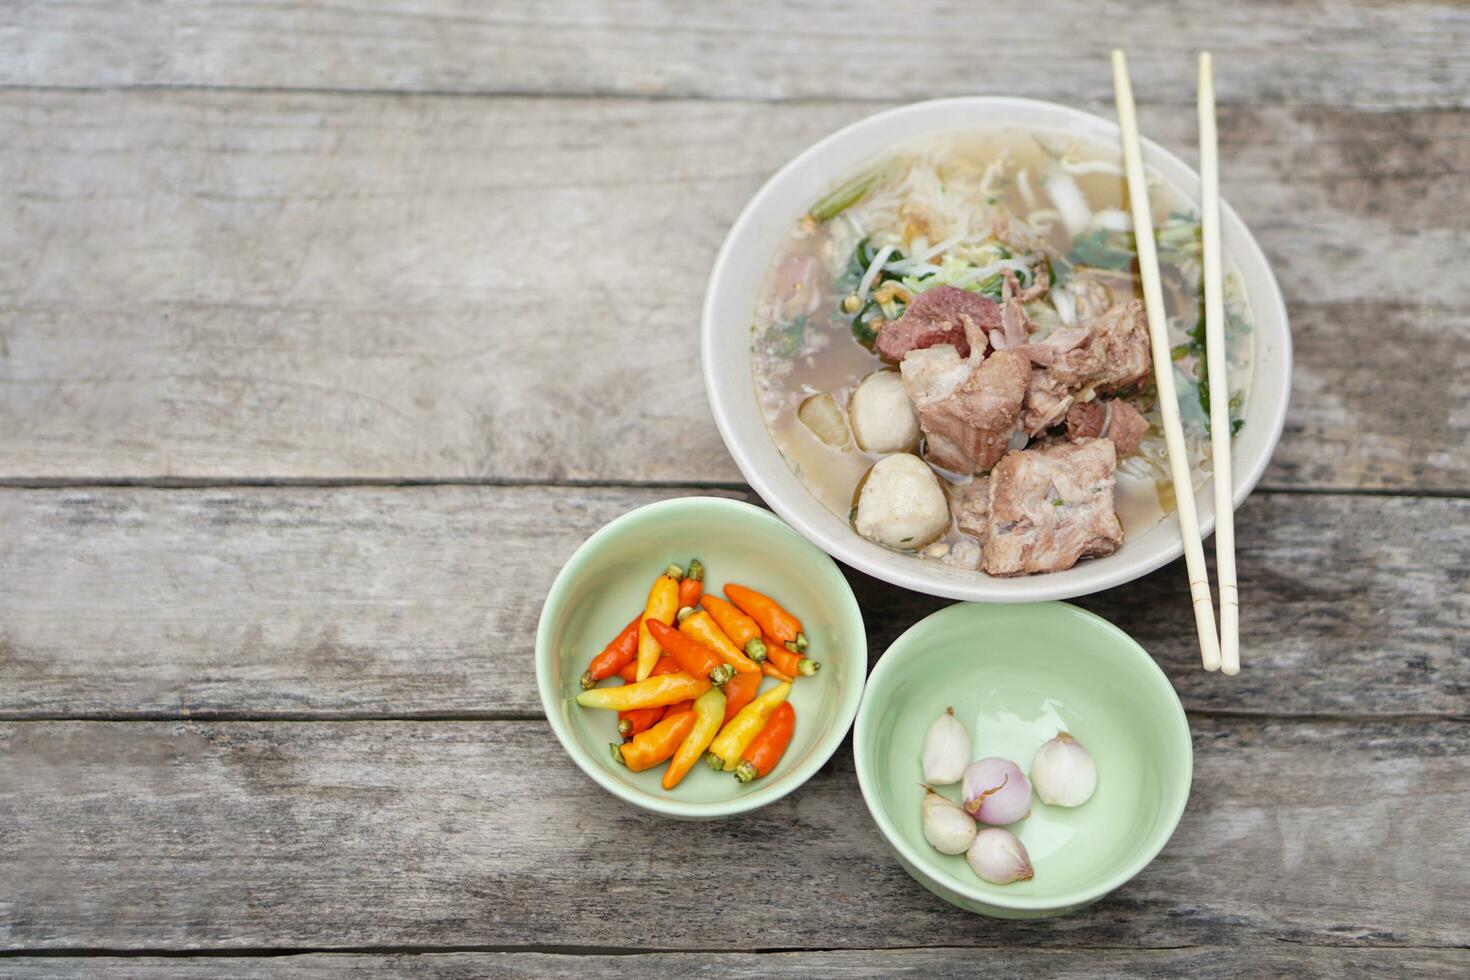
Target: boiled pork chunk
(1108, 418)
(968, 414)
(1051, 507)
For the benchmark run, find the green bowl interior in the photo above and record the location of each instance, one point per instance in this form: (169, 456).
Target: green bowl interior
(605, 584)
(1015, 676)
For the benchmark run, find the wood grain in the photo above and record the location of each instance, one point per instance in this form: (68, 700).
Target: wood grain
(1331, 51)
(297, 835)
(1224, 962)
(288, 286)
(311, 602)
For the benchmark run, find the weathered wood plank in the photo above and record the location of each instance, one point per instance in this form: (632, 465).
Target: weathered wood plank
(224, 285)
(1333, 51)
(1278, 960)
(424, 601)
(149, 835)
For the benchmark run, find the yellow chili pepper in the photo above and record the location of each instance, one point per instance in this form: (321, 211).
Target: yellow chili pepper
(709, 715)
(658, 690)
(663, 603)
(725, 751)
(701, 628)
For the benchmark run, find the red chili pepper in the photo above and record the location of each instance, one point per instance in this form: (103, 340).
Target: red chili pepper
(774, 621)
(693, 657)
(691, 586)
(614, 657)
(767, 748)
(790, 663)
(739, 691)
(665, 665)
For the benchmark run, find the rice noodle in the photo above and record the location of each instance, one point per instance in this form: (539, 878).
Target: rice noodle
(1081, 168)
(1065, 304)
(1023, 183)
(1070, 201)
(1113, 219)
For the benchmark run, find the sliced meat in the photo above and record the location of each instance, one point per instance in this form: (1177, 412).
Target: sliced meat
(1044, 352)
(1115, 354)
(970, 505)
(1015, 325)
(1113, 419)
(1051, 507)
(1127, 427)
(968, 414)
(938, 316)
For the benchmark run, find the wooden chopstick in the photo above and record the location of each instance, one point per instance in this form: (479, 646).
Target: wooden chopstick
(1153, 301)
(1209, 172)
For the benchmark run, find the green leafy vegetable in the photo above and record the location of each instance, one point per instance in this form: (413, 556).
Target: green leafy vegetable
(787, 339)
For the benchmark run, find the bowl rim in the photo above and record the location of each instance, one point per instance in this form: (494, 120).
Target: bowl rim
(891, 663)
(848, 546)
(847, 707)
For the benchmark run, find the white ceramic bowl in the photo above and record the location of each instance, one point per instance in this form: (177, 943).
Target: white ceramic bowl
(726, 340)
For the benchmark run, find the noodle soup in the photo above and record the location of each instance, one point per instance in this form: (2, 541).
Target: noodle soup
(1006, 215)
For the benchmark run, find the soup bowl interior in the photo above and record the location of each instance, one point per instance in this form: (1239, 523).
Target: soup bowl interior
(761, 229)
(606, 582)
(1015, 676)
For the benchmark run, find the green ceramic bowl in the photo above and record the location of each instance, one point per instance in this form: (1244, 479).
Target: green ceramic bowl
(606, 582)
(1016, 675)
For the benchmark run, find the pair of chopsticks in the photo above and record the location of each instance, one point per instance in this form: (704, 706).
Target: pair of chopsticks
(1222, 652)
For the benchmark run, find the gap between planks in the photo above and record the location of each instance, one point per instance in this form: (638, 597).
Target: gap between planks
(347, 483)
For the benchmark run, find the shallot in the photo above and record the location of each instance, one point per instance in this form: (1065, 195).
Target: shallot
(999, 857)
(946, 825)
(946, 750)
(1063, 772)
(997, 791)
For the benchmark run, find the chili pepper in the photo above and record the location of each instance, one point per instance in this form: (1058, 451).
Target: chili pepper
(665, 665)
(709, 716)
(663, 603)
(774, 621)
(637, 720)
(695, 658)
(691, 586)
(653, 692)
(791, 663)
(766, 749)
(701, 628)
(771, 670)
(743, 631)
(739, 692)
(734, 738)
(655, 745)
(614, 657)
(674, 709)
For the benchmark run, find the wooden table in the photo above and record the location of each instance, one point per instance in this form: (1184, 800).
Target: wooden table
(329, 332)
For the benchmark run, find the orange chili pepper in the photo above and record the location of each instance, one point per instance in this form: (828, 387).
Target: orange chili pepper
(696, 659)
(691, 586)
(665, 665)
(674, 709)
(774, 621)
(701, 628)
(766, 749)
(614, 657)
(791, 663)
(771, 670)
(743, 631)
(655, 745)
(632, 722)
(738, 693)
